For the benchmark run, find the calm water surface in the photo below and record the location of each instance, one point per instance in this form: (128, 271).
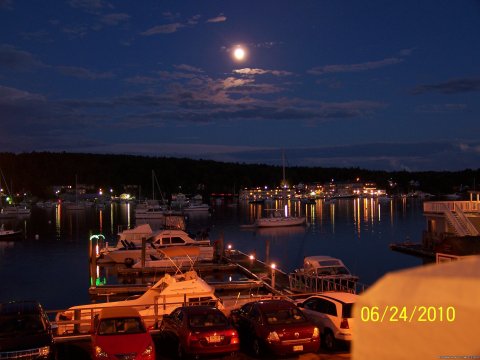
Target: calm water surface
(53, 267)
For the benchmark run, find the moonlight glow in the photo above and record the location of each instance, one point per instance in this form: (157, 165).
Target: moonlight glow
(239, 53)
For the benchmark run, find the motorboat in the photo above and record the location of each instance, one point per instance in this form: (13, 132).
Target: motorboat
(196, 207)
(280, 218)
(170, 292)
(322, 273)
(8, 234)
(129, 245)
(13, 211)
(176, 256)
(150, 209)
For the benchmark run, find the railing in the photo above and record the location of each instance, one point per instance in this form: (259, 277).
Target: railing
(455, 222)
(439, 206)
(302, 282)
(82, 321)
(471, 230)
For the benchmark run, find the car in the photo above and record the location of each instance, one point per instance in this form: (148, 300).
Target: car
(275, 326)
(200, 330)
(120, 333)
(25, 331)
(332, 313)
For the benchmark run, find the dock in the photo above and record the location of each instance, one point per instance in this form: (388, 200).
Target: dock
(415, 249)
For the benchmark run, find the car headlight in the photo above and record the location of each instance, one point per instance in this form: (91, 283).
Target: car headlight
(99, 353)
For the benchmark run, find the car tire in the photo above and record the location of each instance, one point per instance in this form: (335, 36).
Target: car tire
(328, 340)
(257, 348)
(180, 351)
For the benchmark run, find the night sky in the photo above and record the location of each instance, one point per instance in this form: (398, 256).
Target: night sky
(392, 85)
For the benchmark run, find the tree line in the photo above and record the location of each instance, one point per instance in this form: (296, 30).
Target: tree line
(37, 172)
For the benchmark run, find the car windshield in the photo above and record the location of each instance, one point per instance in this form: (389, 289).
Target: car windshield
(21, 325)
(285, 316)
(121, 326)
(207, 320)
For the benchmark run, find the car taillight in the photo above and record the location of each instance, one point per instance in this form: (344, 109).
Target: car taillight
(234, 338)
(273, 336)
(344, 324)
(99, 353)
(148, 352)
(192, 337)
(316, 333)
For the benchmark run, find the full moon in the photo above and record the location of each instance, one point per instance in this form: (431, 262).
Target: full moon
(239, 54)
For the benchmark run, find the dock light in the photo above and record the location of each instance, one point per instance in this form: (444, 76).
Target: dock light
(229, 246)
(273, 266)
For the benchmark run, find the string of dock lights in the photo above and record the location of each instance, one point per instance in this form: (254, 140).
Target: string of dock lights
(273, 266)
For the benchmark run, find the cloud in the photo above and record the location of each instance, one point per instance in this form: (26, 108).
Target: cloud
(163, 29)
(114, 19)
(83, 73)
(217, 19)
(14, 59)
(369, 65)
(249, 71)
(454, 86)
(9, 95)
(441, 108)
(6, 4)
(188, 68)
(90, 5)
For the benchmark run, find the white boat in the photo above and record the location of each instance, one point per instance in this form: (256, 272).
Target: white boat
(322, 273)
(279, 218)
(167, 294)
(150, 209)
(197, 207)
(8, 234)
(129, 246)
(174, 256)
(12, 211)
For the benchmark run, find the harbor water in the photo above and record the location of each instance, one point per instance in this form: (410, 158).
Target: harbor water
(50, 261)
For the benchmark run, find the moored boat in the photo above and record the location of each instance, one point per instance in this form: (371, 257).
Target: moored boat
(8, 234)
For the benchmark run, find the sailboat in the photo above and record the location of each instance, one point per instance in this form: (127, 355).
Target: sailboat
(151, 209)
(278, 217)
(76, 206)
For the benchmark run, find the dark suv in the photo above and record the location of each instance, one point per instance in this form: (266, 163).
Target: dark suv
(25, 331)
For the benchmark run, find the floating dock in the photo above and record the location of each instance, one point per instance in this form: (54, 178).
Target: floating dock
(415, 249)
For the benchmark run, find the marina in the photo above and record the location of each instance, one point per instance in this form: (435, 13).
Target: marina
(255, 262)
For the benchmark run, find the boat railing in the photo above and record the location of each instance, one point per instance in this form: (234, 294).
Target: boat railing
(83, 319)
(306, 283)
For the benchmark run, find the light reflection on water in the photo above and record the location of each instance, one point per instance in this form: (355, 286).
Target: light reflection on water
(54, 268)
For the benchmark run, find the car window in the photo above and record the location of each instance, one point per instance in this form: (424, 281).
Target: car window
(245, 309)
(255, 315)
(310, 304)
(327, 307)
(347, 311)
(285, 316)
(207, 320)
